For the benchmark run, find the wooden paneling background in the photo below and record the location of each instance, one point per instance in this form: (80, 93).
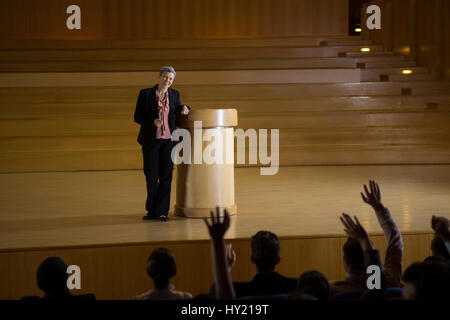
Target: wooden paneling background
(417, 29)
(144, 19)
(118, 272)
(445, 34)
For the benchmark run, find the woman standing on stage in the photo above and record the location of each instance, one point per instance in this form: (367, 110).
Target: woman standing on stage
(156, 111)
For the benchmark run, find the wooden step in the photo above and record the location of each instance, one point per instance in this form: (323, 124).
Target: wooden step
(344, 119)
(297, 155)
(374, 74)
(129, 94)
(354, 155)
(88, 79)
(68, 143)
(180, 54)
(317, 103)
(70, 160)
(97, 109)
(345, 42)
(377, 59)
(391, 88)
(65, 110)
(123, 125)
(120, 125)
(411, 77)
(179, 65)
(387, 136)
(389, 64)
(372, 53)
(180, 43)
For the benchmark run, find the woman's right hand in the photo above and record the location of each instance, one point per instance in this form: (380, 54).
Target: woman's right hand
(157, 123)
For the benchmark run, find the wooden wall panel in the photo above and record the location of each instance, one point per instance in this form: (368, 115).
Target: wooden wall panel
(144, 19)
(120, 272)
(194, 265)
(426, 46)
(417, 29)
(14, 18)
(417, 248)
(402, 25)
(321, 254)
(395, 25)
(18, 272)
(111, 272)
(446, 60)
(446, 39)
(379, 36)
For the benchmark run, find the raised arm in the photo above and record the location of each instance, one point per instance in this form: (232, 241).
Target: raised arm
(394, 249)
(371, 256)
(222, 277)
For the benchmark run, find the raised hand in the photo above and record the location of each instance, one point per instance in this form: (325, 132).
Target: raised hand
(219, 225)
(440, 226)
(373, 198)
(356, 231)
(231, 256)
(221, 255)
(185, 110)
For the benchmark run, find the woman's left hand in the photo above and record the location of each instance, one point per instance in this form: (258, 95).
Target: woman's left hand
(185, 110)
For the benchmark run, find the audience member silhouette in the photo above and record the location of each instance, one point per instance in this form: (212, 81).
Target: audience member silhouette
(161, 267)
(313, 283)
(353, 252)
(440, 245)
(52, 279)
(428, 280)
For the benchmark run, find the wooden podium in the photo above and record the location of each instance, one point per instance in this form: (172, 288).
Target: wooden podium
(203, 186)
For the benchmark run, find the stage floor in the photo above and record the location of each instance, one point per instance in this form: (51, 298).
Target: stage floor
(106, 207)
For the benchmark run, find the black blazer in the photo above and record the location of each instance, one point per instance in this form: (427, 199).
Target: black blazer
(147, 111)
(265, 284)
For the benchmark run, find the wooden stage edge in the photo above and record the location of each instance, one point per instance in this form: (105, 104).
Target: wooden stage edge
(193, 242)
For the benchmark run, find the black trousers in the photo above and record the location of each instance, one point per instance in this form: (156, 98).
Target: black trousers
(158, 167)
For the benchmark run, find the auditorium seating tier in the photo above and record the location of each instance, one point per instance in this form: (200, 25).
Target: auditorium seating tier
(68, 105)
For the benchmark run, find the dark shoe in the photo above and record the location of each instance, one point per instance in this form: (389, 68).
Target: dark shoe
(163, 218)
(148, 217)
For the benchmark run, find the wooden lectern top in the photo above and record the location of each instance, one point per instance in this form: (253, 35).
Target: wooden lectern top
(209, 117)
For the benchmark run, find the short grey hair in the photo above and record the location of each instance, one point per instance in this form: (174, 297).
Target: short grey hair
(167, 69)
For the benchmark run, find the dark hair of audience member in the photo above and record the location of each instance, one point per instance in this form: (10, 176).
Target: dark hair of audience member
(265, 250)
(161, 266)
(313, 283)
(430, 279)
(353, 255)
(52, 276)
(439, 249)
